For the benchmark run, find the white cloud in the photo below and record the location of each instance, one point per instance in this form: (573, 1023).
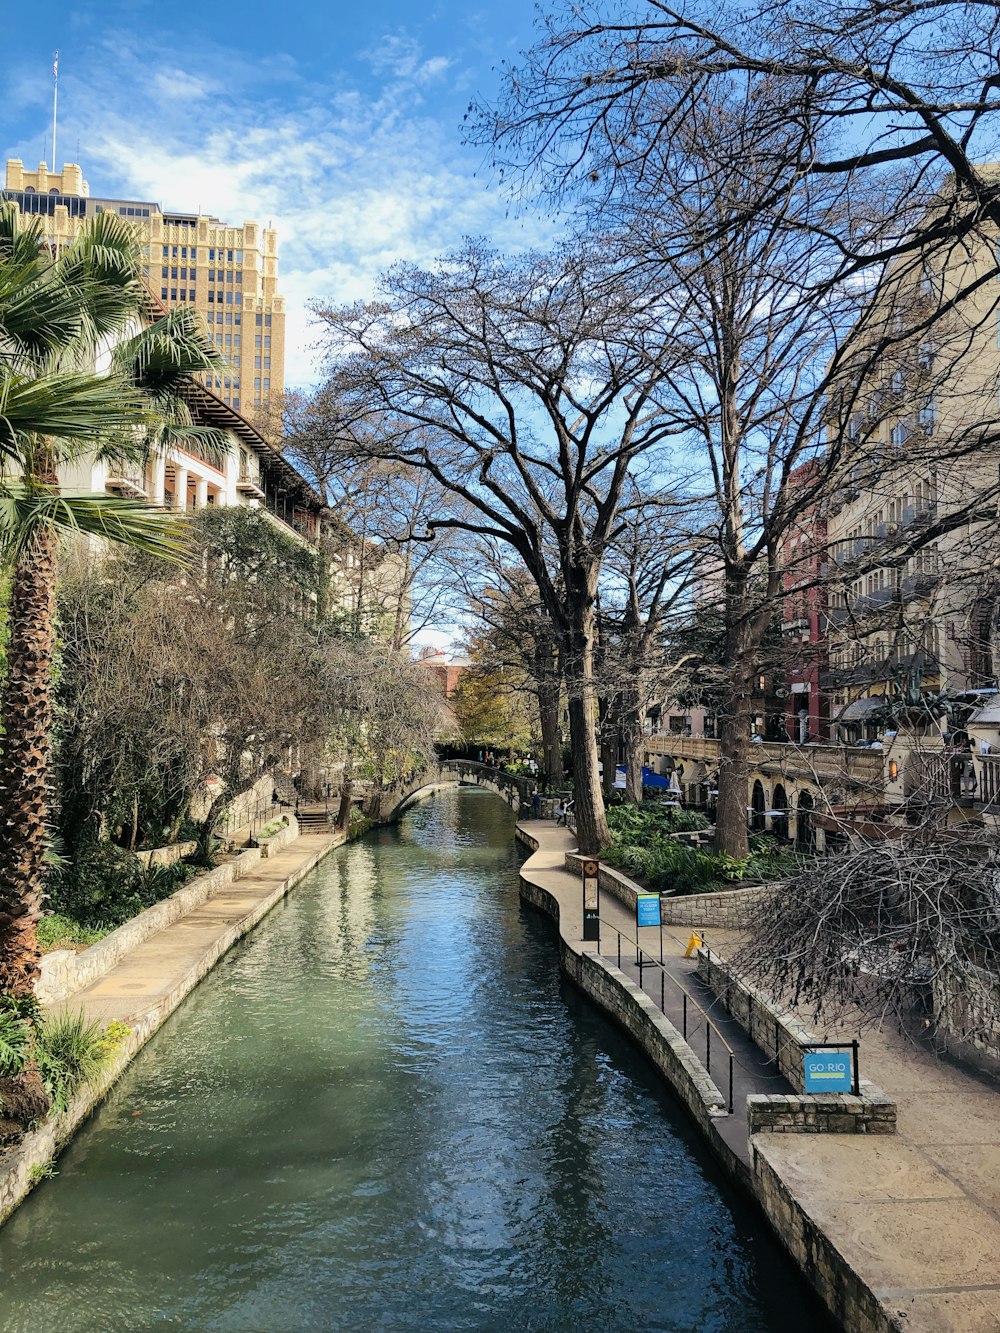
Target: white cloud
(352, 181)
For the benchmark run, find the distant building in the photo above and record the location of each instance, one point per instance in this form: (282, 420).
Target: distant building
(228, 273)
(444, 674)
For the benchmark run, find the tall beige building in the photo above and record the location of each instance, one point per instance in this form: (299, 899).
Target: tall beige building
(229, 274)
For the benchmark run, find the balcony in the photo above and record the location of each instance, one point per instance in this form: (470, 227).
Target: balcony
(826, 763)
(249, 484)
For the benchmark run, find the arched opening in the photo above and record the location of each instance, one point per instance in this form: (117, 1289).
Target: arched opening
(757, 808)
(805, 834)
(779, 821)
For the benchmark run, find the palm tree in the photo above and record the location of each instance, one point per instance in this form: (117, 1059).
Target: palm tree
(60, 315)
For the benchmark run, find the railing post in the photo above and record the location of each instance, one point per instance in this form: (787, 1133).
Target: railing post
(857, 1072)
(663, 978)
(708, 1044)
(619, 950)
(730, 1082)
(685, 1028)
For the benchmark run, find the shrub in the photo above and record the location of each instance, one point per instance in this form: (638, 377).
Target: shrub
(56, 931)
(70, 1051)
(107, 886)
(15, 1036)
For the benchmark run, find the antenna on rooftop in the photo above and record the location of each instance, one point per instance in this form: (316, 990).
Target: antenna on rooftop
(55, 105)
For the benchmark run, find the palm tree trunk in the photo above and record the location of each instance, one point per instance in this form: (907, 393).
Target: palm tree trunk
(26, 709)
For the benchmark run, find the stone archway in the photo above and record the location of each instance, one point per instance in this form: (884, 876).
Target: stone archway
(758, 805)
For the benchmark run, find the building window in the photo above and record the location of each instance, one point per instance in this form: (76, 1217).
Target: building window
(257, 340)
(267, 386)
(267, 340)
(173, 293)
(238, 277)
(267, 321)
(236, 403)
(166, 252)
(239, 298)
(236, 340)
(256, 363)
(239, 317)
(184, 252)
(267, 363)
(926, 413)
(163, 293)
(194, 252)
(173, 252)
(173, 273)
(211, 255)
(165, 273)
(256, 384)
(260, 320)
(229, 317)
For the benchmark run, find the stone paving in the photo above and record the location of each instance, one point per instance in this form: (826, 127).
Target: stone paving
(916, 1215)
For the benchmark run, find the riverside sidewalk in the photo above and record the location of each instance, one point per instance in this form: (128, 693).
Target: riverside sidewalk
(160, 971)
(915, 1215)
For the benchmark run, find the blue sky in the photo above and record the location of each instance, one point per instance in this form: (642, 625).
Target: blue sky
(338, 123)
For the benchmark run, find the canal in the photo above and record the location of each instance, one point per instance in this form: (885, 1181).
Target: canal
(384, 1111)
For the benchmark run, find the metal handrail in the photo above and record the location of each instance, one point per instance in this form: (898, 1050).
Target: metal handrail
(710, 1026)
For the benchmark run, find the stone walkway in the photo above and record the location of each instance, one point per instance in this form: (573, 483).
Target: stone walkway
(916, 1214)
(168, 964)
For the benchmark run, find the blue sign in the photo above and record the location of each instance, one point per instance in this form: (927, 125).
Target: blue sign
(829, 1071)
(647, 909)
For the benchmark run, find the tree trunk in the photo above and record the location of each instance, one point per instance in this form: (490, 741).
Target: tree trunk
(592, 830)
(631, 727)
(346, 794)
(26, 708)
(731, 832)
(548, 691)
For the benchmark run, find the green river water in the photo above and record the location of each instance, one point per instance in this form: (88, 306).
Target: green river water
(384, 1111)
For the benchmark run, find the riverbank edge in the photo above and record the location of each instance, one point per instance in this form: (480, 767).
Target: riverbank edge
(843, 1291)
(29, 1160)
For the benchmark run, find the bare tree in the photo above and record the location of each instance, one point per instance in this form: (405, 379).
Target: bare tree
(529, 391)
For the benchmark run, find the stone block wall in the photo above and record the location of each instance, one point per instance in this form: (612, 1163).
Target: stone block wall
(732, 909)
(272, 845)
(836, 1113)
(166, 856)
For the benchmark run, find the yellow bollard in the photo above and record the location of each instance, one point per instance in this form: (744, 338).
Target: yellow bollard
(695, 942)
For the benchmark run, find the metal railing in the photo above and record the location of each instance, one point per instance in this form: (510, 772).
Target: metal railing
(689, 1021)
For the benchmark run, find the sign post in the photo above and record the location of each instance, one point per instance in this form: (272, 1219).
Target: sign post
(831, 1068)
(591, 900)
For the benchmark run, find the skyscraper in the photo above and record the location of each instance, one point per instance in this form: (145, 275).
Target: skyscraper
(228, 273)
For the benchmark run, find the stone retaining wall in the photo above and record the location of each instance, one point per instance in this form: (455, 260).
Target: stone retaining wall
(273, 844)
(634, 1011)
(781, 1036)
(852, 1302)
(64, 971)
(166, 856)
(733, 909)
(835, 1113)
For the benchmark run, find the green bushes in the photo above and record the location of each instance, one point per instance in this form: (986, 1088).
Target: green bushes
(56, 931)
(66, 1049)
(107, 886)
(644, 848)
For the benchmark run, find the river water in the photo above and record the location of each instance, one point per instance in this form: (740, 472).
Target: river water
(384, 1111)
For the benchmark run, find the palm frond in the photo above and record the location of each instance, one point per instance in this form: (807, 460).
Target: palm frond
(76, 410)
(102, 267)
(24, 510)
(162, 357)
(207, 442)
